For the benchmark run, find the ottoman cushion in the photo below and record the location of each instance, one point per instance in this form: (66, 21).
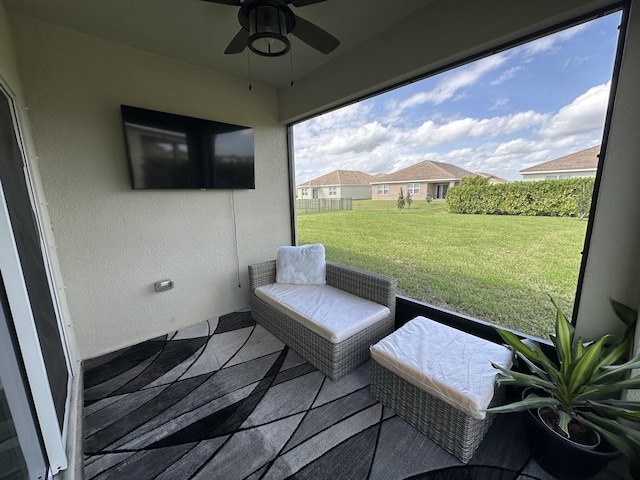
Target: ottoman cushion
(447, 363)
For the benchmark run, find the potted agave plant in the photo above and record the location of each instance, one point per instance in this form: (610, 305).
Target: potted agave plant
(577, 394)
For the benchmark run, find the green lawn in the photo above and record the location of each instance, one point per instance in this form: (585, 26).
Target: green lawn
(496, 268)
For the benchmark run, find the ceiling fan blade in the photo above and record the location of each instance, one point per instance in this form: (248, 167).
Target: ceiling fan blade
(303, 3)
(235, 3)
(238, 43)
(314, 36)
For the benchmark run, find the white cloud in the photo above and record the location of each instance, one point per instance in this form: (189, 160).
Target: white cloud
(500, 145)
(500, 103)
(452, 82)
(585, 114)
(346, 117)
(550, 42)
(431, 134)
(358, 137)
(486, 144)
(506, 75)
(365, 138)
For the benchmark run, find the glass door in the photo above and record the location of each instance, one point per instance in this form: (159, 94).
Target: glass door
(12, 464)
(21, 455)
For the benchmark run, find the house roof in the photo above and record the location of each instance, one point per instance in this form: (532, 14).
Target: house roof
(583, 160)
(341, 177)
(426, 171)
(492, 178)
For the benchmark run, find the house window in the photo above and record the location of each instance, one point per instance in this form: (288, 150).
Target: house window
(413, 188)
(305, 191)
(493, 267)
(333, 191)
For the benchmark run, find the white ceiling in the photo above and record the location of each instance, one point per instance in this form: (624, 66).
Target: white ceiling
(197, 32)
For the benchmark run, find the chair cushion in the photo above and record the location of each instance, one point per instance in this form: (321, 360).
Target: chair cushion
(445, 362)
(331, 313)
(304, 265)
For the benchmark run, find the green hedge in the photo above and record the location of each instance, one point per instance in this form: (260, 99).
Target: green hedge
(557, 198)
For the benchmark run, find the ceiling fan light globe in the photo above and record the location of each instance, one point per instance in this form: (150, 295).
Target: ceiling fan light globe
(267, 31)
(269, 45)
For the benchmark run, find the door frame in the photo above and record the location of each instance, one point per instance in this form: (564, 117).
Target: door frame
(18, 398)
(36, 381)
(27, 337)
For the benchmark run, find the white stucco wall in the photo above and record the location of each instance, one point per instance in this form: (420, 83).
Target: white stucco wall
(536, 177)
(10, 79)
(355, 191)
(114, 243)
(8, 66)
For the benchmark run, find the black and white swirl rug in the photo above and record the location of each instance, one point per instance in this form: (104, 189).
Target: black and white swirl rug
(224, 399)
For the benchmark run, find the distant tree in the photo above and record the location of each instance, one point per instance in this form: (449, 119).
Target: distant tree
(401, 201)
(408, 199)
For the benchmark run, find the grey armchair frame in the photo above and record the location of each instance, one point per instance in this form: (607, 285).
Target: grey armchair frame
(333, 359)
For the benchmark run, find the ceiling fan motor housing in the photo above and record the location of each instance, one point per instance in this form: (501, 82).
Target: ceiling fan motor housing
(268, 23)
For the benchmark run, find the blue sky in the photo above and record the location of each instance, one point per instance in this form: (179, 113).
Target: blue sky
(498, 115)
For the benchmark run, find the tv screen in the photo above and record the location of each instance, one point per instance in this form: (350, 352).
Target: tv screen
(167, 151)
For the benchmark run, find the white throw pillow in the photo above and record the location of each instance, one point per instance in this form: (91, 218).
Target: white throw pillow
(304, 265)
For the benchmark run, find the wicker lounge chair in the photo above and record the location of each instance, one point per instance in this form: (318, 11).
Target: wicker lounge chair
(332, 359)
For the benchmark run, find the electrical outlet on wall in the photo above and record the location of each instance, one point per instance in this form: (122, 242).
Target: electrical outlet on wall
(163, 285)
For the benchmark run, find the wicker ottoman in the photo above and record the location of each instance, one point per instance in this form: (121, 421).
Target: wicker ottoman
(440, 380)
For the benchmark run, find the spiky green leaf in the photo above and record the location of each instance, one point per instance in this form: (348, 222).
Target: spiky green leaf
(533, 368)
(628, 410)
(549, 366)
(615, 353)
(517, 346)
(563, 340)
(632, 363)
(525, 404)
(613, 387)
(511, 377)
(618, 435)
(625, 313)
(563, 421)
(584, 367)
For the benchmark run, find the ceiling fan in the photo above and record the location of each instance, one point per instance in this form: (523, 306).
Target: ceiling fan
(266, 24)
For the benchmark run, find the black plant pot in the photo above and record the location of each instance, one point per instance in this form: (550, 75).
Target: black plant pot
(564, 459)
(634, 469)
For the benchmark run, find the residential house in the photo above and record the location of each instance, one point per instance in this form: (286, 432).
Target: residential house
(579, 164)
(493, 180)
(337, 184)
(95, 248)
(423, 180)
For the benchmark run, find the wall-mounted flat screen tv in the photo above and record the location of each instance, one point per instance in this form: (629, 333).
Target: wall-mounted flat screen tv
(168, 151)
